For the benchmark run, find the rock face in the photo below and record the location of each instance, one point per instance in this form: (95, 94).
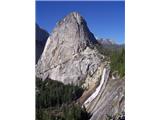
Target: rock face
(41, 38)
(109, 101)
(69, 55)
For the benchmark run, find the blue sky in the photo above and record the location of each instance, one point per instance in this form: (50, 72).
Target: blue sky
(105, 19)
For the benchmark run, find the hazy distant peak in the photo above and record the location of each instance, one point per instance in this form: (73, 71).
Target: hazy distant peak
(107, 41)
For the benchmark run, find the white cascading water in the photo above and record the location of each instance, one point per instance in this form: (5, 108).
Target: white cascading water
(94, 95)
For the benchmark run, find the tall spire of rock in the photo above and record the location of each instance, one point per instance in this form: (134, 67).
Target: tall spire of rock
(68, 55)
(75, 27)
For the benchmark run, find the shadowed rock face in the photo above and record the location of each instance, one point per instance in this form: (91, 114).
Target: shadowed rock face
(41, 38)
(69, 55)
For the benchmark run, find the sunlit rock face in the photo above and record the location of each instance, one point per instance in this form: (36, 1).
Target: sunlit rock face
(109, 101)
(69, 55)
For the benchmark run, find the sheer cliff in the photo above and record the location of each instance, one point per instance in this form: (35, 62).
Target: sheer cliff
(71, 57)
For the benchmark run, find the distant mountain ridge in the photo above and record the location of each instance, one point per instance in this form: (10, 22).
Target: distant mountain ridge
(41, 34)
(110, 44)
(105, 41)
(41, 38)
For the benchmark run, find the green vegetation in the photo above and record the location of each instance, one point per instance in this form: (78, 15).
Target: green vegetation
(56, 101)
(52, 93)
(116, 117)
(118, 62)
(116, 55)
(65, 112)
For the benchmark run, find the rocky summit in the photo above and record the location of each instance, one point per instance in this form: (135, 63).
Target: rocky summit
(71, 57)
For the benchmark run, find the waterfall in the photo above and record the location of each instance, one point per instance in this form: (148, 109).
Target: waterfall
(94, 95)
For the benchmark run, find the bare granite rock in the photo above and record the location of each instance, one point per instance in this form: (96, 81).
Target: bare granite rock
(69, 54)
(110, 100)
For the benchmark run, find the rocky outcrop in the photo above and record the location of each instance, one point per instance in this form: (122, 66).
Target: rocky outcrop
(69, 55)
(109, 101)
(106, 99)
(105, 76)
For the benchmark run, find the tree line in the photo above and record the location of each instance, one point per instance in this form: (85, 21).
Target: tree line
(56, 101)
